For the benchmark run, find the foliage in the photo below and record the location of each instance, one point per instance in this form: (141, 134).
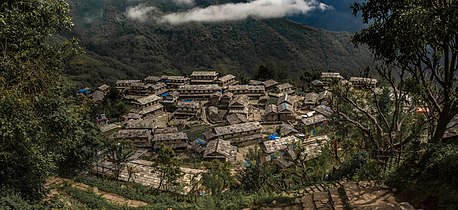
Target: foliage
(428, 177)
(358, 167)
(113, 106)
(92, 200)
(45, 128)
(119, 153)
(167, 165)
(218, 177)
(430, 59)
(255, 178)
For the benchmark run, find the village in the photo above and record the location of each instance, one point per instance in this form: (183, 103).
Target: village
(210, 116)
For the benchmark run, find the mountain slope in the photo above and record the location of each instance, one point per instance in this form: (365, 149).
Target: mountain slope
(120, 48)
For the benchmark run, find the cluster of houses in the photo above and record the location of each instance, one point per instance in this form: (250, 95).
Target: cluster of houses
(236, 114)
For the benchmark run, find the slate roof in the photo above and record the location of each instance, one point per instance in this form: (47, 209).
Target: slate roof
(212, 87)
(271, 146)
(226, 78)
(245, 87)
(271, 108)
(285, 98)
(204, 73)
(284, 86)
(240, 99)
(238, 128)
(311, 98)
(236, 118)
(166, 130)
(269, 83)
(190, 104)
(324, 110)
(319, 118)
(219, 149)
(144, 124)
(133, 133)
(147, 99)
(104, 87)
(170, 136)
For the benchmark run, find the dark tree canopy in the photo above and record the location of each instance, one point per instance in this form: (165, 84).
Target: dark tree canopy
(45, 128)
(418, 37)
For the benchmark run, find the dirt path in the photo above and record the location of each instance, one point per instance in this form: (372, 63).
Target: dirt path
(110, 197)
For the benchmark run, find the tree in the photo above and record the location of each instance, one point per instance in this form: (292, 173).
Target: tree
(167, 166)
(45, 127)
(218, 177)
(119, 153)
(418, 38)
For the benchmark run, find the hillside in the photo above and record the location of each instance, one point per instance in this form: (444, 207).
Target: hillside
(118, 47)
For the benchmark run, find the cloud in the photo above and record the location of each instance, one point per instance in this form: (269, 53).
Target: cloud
(184, 2)
(139, 12)
(240, 11)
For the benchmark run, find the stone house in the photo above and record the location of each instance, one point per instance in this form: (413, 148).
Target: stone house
(226, 99)
(100, 93)
(284, 88)
(213, 114)
(141, 124)
(175, 140)
(310, 101)
(123, 84)
(174, 82)
(252, 91)
(226, 80)
(140, 138)
(198, 92)
(239, 104)
(187, 110)
(148, 105)
(271, 114)
(314, 120)
(152, 79)
(238, 134)
(220, 149)
(285, 112)
(330, 77)
(363, 82)
(236, 118)
(203, 77)
(324, 110)
(159, 88)
(269, 85)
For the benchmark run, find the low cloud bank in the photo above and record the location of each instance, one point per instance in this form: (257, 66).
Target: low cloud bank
(139, 12)
(262, 9)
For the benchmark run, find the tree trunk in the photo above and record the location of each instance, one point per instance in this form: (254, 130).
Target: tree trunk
(445, 118)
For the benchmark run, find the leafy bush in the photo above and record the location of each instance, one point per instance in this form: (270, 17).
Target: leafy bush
(428, 178)
(358, 167)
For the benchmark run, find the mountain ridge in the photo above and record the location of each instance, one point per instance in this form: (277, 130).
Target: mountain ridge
(239, 47)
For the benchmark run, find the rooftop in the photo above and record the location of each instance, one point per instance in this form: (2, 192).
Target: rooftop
(148, 124)
(314, 119)
(148, 99)
(166, 130)
(170, 136)
(246, 87)
(271, 146)
(226, 78)
(237, 128)
(191, 104)
(133, 133)
(269, 83)
(221, 147)
(212, 87)
(204, 73)
(284, 86)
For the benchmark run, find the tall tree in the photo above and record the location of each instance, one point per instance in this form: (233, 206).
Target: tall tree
(167, 165)
(218, 177)
(45, 128)
(419, 38)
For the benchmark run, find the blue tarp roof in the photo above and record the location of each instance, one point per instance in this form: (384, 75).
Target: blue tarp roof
(165, 94)
(274, 136)
(200, 141)
(187, 100)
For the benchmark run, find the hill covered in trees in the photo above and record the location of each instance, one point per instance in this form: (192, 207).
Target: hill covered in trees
(118, 47)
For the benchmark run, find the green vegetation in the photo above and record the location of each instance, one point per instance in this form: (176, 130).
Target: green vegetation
(46, 129)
